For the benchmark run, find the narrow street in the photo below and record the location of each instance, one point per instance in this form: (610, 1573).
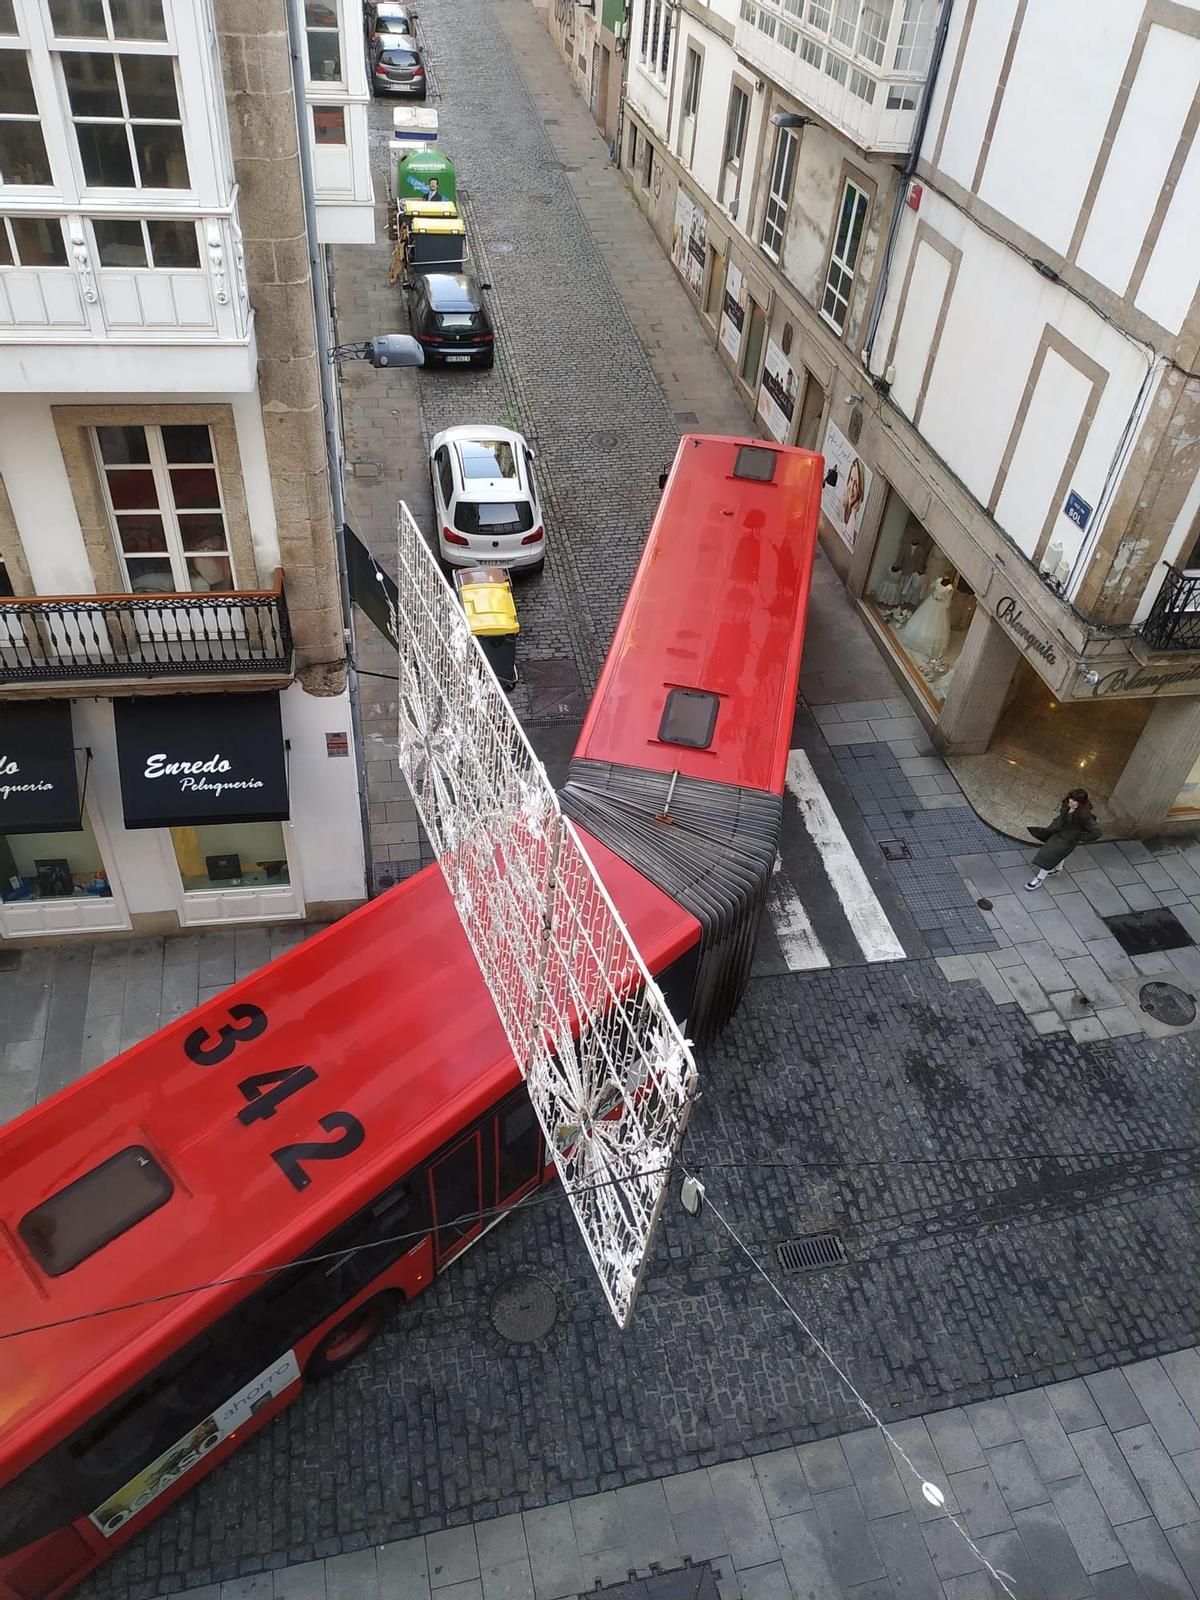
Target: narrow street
(1006, 1173)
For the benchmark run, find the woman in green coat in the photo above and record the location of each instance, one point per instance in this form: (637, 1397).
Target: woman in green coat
(1074, 825)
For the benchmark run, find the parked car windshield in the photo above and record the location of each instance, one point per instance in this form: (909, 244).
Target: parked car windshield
(487, 458)
(494, 516)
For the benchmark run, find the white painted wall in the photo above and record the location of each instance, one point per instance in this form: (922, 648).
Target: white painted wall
(967, 116)
(1159, 101)
(327, 831)
(1065, 74)
(39, 490)
(930, 277)
(646, 92)
(994, 324)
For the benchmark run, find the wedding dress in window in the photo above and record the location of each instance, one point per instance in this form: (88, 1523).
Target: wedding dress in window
(927, 631)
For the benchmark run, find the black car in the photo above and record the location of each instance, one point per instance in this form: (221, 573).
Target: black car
(450, 320)
(397, 68)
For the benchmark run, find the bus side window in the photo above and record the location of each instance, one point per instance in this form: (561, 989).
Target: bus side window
(520, 1147)
(31, 1506)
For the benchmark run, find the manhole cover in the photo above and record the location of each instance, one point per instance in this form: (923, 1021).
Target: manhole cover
(1166, 1002)
(895, 850)
(607, 441)
(502, 247)
(812, 1253)
(984, 905)
(525, 1310)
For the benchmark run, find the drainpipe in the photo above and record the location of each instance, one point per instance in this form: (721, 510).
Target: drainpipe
(910, 166)
(329, 405)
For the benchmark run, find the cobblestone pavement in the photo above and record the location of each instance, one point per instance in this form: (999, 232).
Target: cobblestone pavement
(1083, 1488)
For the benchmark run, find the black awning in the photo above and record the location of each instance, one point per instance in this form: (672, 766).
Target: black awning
(190, 759)
(39, 787)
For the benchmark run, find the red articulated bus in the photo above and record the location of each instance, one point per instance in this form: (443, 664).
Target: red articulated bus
(229, 1209)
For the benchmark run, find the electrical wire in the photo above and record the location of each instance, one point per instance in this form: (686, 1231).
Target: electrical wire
(930, 1492)
(549, 1197)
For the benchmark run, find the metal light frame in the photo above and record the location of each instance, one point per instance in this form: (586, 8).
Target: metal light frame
(610, 1076)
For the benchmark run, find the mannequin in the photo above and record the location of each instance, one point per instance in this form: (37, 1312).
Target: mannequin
(888, 590)
(927, 631)
(913, 590)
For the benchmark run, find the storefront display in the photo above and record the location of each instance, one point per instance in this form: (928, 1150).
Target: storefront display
(920, 599)
(230, 855)
(52, 866)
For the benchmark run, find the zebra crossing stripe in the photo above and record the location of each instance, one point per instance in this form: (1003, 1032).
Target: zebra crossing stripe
(868, 921)
(798, 942)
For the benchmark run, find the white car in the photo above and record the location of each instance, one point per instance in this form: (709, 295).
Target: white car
(485, 499)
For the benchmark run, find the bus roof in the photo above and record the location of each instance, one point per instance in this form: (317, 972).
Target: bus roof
(387, 1006)
(739, 553)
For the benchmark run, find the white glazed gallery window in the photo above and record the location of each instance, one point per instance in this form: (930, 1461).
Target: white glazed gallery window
(324, 41)
(23, 156)
(168, 516)
(32, 242)
(118, 71)
(915, 44)
(169, 245)
(843, 258)
(783, 169)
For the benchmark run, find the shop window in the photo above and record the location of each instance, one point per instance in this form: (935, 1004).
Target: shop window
(164, 497)
(22, 149)
(128, 127)
(52, 866)
(231, 855)
(919, 597)
(843, 258)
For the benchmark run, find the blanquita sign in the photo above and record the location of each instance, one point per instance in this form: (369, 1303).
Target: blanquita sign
(186, 760)
(39, 788)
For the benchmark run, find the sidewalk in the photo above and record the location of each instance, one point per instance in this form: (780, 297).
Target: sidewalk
(1086, 1490)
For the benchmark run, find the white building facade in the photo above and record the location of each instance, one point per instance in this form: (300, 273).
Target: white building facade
(175, 730)
(954, 245)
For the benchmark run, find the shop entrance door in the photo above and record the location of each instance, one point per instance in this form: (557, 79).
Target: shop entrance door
(808, 434)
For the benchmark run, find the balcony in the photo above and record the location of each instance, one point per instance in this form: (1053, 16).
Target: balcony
(860, 65)
(91, 303)
(1174, 620)
(48, 639)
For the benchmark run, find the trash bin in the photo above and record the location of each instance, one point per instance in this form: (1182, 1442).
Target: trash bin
(485, 594)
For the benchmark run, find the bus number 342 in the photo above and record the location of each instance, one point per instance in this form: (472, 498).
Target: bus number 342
(265, 1092)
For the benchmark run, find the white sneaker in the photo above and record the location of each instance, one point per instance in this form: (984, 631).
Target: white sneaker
(1054, 871)
(1035, 883)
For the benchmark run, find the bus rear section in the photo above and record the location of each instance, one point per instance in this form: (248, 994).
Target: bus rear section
(231, 1209)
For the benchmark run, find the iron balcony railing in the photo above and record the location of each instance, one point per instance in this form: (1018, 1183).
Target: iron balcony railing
(55, 638)
(1174, 620)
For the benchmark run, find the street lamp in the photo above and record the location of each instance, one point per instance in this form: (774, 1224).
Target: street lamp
(385, 350)
(790, 119)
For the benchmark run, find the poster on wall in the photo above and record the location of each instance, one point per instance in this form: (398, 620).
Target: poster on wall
(777, 397)
(843, 500)
(733, 311)
(689, 242)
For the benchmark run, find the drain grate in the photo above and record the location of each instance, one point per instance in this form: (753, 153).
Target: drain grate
(687, 419)
(1141, 933)
(813, 1253)
(1167, 1003)
(895, 850)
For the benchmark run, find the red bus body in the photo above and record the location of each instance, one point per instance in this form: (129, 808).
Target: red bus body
(359, 1087)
